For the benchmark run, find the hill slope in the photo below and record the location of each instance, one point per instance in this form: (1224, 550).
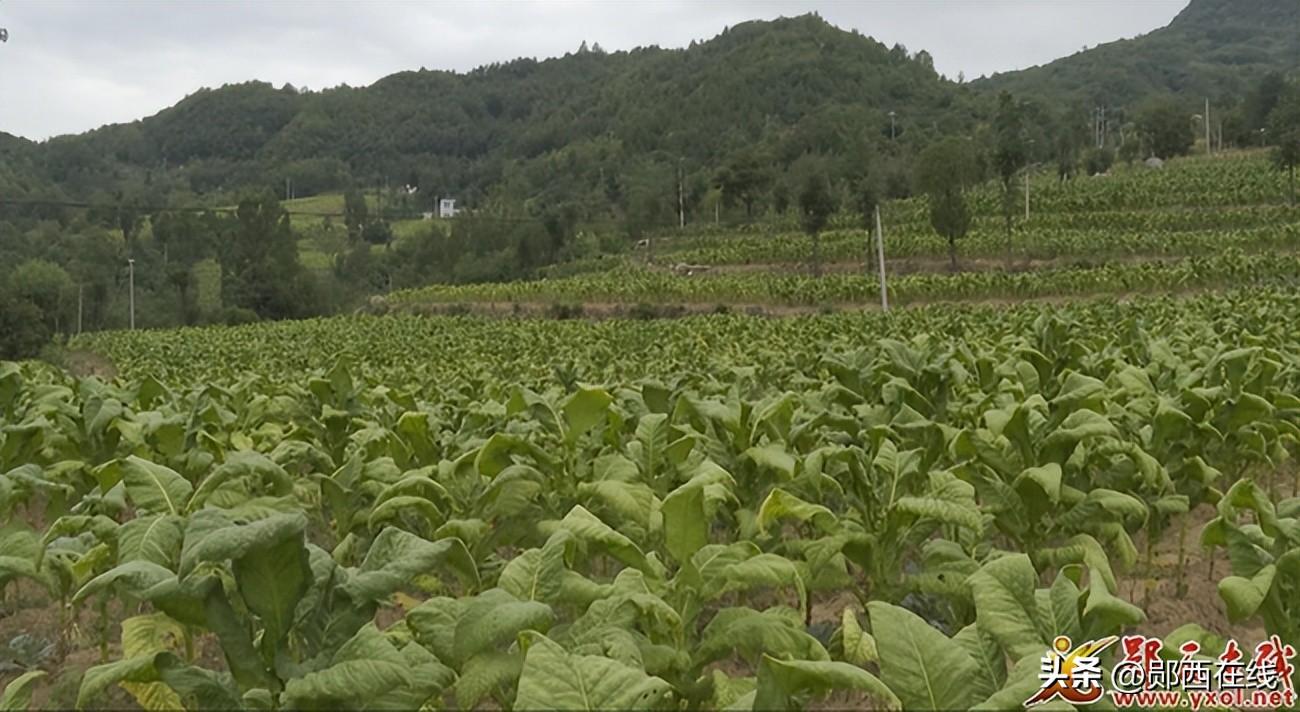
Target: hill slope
(606, 134)
(792, 84)
(1213, 48)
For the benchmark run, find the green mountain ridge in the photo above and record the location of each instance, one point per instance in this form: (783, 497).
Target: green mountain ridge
(1211, 49)
(590, 129)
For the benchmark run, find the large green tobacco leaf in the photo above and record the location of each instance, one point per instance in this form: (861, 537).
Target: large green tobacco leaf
(583, 410)
(395, 509)
(493, 617)
(630, 503)
(190, 601)
(653, 433)
(486, 673)
(921, 665)
(780, 504)
(1022, 682)
(396, 557)
(628, 604)
(150, 486)
(145, 635)
(1005, 608)
(859, 645)
(240, 465)
(537, 574)
(1059, 607)
(1244, 595)
(763, 570)
(198, 688)
(686, 525)
(586, 527)
(18, 693)
(434, 624)
(779, 681)
(214, 536)
(272, 577)
(1104, 613)
(751, 634)
(367, 672)
(553, 679)
(156, 538)
(1047, 480)
(774, 457)
(728, 691)
(989, 658)
(1078, 426)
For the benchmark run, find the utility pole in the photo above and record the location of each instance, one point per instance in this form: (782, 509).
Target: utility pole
(891, 126)
(1026, 193)
(80, 288)
(1208, 148)
(681, 201)
(880, 260)
(287, 194)
(131, 280)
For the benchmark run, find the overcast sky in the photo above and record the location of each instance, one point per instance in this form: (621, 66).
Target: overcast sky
(73, 66)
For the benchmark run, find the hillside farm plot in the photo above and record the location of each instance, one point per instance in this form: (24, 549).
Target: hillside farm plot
(533, 514)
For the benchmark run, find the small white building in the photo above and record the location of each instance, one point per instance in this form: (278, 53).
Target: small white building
(447, 208)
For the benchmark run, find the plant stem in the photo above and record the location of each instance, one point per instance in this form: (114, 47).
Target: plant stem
(1181, 587)
(102, 610)
(61, 647)
(1150, 572)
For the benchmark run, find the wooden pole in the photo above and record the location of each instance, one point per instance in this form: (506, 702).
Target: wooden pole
(880, 260)
(1209, 148)
(1026, 193)
(681, 198)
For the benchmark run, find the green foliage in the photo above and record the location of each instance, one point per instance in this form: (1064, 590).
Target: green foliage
(1230, 43)
(621, 533)
(944, 171)
(1166, 127)
(815, 206)
(1284, 128)
(355, 214)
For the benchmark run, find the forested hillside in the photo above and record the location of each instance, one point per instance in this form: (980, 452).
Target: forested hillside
(605, 133)
(606, 123)
(1210, 50)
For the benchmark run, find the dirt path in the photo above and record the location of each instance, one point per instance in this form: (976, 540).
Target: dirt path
(627, 310)
(894, 267)
(83, 363)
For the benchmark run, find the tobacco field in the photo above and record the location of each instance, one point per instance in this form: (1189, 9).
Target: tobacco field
(719, 512)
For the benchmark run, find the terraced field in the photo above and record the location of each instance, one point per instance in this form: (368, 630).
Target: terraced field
(1199, 223)
(859, 509)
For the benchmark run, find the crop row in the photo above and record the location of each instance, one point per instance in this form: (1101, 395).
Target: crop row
(631, 285)
(987, 241)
